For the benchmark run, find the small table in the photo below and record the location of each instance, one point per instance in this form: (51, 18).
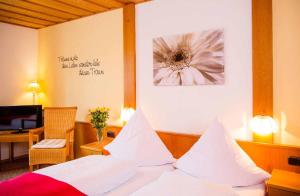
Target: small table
(283, 183)
(94, 147)
(11, 137)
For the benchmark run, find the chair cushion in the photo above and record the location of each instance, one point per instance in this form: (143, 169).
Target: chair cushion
(50, 143)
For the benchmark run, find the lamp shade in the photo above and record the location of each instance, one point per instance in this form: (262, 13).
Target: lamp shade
(263, 125)
(34, 87)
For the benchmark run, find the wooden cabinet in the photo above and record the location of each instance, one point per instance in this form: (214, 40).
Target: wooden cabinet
(94, 147)
(283, 183)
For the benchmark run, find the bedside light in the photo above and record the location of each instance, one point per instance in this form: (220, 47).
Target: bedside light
(263, 128)
(34, 88)
(126, 114)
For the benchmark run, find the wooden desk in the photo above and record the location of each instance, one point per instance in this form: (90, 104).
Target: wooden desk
(94, 147)
(11, 137)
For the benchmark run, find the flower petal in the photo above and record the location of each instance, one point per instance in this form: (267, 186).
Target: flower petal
(161, 74)
(172, 79)
(198, 78)
(187, 76)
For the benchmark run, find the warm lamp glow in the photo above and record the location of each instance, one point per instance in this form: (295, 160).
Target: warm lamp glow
(263, 125)
(34, 88)
(126, 114)
(263, 128)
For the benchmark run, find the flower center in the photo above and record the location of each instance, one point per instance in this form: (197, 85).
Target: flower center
(179, 59)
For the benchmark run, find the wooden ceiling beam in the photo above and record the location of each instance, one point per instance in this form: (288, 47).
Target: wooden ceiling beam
(41, 13)
(110, 4)
(40, 9)
(61, 7)
(25, 18)
(85, 5)
(20, 22)
(124, 1)
(132, 1)
(30, 13)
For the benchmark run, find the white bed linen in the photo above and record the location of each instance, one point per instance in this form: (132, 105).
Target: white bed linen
(73, 170)
(254, 190)
(92, 175)
(178, 183)
(144, 176)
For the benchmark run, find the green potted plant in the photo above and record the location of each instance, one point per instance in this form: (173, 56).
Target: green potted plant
(99, 116)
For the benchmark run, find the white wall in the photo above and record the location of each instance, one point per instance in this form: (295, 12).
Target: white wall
(286, 48)
(192, 108)
(18, 54)
(95, 37)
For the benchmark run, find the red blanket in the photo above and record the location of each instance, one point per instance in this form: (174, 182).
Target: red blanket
(36, 184)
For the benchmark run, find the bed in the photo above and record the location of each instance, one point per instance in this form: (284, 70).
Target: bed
(128, 185)
(147, 175)
(142, 163)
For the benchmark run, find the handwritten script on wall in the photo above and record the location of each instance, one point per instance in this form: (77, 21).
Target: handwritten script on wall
(85, 68)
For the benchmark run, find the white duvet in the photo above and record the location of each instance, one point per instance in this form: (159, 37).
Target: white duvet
(92, 175)
(177, 183)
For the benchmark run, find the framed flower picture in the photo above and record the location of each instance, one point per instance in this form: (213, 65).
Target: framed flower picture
(189, 59)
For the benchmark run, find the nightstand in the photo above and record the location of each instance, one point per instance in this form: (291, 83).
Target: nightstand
(283, 183)
(94, 147)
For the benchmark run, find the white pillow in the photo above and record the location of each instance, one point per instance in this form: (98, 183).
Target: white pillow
(216, 157)
(139, 143)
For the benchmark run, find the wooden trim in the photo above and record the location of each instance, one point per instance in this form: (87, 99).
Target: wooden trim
(262, 44)
(55, 108)
(129, 56)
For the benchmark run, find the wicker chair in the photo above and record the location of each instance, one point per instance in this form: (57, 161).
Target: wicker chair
(59, 123)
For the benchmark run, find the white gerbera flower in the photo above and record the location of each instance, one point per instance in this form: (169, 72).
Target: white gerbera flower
(189, 59)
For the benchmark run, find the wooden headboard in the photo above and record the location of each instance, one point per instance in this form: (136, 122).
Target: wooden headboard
(266, 156)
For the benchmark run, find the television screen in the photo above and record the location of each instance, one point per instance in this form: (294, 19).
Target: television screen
(20, 117)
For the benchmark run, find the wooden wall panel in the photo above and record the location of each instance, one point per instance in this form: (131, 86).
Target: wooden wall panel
(129, 56)
(271, 156)
(84, 134)
(262, 44)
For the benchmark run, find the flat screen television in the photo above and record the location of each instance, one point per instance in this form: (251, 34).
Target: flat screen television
(21, 117)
